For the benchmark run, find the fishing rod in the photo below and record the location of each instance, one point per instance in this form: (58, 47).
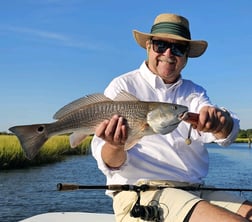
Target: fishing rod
(153, 211)
(144, 187)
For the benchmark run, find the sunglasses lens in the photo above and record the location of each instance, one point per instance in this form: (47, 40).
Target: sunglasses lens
(159, 46)
(179, 49)
(176, 49)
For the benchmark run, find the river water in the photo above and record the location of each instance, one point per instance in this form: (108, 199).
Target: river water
(27, 192)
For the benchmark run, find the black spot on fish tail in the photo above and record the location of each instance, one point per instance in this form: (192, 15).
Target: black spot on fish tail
(41, 129)
(31, 138)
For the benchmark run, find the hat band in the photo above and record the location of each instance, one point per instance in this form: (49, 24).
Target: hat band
(171, 28)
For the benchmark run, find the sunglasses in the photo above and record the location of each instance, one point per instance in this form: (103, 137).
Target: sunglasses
(177, 49)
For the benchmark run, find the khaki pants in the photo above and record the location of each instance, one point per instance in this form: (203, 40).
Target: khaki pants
(174, 204)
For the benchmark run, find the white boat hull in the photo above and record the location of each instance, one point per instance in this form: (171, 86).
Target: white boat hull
(70, 217)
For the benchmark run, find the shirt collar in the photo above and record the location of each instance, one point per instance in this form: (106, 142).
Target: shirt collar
(154, 80)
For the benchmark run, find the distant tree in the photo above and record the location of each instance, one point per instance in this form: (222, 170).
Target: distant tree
(249, 133)
(242, 134)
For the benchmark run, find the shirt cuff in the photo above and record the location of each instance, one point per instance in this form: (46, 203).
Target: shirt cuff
(97, 145)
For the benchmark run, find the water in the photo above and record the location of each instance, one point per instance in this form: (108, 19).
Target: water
(27, 192)
(231, 167)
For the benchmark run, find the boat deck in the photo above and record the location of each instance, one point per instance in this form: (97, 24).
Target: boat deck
(70, 217)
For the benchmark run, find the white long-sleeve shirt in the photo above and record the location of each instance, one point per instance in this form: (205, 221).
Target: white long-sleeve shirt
(162, 157)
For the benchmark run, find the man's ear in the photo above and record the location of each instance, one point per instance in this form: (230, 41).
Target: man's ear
(148, 50)
(147, 45)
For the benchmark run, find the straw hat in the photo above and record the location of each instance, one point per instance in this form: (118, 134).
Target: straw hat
(175, 27)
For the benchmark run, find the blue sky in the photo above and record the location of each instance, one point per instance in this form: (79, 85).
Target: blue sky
(55, 51)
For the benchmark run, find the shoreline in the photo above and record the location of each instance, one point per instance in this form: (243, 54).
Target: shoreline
(55, 150)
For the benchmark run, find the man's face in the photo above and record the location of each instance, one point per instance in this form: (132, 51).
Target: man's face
(166, 58)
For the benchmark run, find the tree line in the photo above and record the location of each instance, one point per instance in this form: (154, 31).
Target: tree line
(245, 133)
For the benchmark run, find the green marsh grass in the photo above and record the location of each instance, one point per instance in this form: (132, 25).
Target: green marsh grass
(55, 149)
(242, 140)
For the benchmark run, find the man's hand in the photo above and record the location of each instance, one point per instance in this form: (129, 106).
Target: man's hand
(216, 121)
(114, 132)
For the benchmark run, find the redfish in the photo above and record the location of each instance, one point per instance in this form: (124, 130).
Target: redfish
(82, 116)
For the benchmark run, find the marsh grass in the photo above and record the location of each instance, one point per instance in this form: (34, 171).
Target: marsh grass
(242, 140)
(55, 149)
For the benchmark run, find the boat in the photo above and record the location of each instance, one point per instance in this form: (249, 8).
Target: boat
(70, 217)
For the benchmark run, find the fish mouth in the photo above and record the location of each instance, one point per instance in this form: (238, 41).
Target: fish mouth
(182, 116)
(189, 117)
(175, 124)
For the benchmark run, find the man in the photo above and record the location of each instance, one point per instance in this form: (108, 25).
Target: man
(167, 159)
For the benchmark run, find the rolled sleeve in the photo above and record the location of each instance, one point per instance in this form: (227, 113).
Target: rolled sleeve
(97, 145)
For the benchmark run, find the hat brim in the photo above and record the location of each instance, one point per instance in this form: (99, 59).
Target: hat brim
(196, 49)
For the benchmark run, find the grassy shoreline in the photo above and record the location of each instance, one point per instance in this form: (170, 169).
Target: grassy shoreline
(243, 140)
(55, 149)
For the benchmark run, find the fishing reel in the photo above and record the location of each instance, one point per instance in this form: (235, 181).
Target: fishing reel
(151, 212)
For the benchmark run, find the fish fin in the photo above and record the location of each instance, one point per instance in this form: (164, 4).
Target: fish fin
(76, 138)
(136, 135)
(31, 137)
(77, 104)
(129, 144)
(132, 141)
(125, 96)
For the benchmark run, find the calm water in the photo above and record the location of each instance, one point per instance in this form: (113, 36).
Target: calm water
(24, 193)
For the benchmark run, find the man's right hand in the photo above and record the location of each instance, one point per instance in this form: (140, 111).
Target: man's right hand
(114, 133)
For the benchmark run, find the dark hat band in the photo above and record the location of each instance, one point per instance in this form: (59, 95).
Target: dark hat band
(171, 28)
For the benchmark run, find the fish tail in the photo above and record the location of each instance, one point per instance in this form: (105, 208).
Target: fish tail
(31, 137)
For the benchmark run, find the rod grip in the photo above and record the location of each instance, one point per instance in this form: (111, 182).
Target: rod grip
(119, 187)
(66, 186)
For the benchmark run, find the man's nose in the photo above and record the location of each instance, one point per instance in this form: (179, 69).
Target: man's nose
(168, 52)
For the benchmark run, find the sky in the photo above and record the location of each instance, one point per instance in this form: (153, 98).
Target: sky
(55, 51)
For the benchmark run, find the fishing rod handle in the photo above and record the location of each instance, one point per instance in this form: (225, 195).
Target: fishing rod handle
(66, 186)
(129, 187)
(116, 187)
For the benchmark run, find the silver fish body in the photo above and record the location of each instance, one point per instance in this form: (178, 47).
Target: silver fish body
(82, 116)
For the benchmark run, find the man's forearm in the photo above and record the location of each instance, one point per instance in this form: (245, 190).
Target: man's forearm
(114, 157)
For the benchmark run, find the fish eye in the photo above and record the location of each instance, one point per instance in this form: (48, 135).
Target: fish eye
(175, 107)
